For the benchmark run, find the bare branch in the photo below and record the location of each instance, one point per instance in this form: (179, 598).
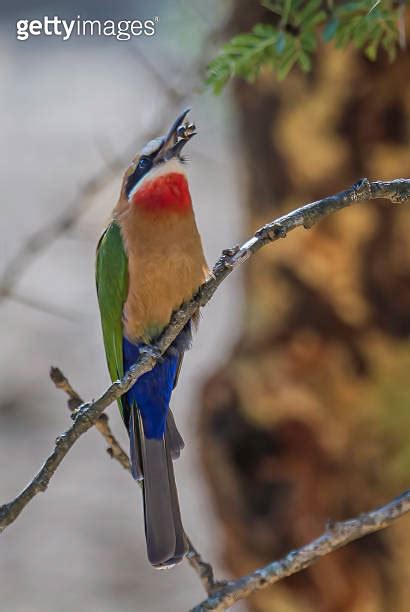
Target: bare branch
(86, 415)
(61, 382)
(337, 535)
(114, 448)
(203, 569)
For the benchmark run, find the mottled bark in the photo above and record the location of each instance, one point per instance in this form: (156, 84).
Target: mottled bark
(309, 419)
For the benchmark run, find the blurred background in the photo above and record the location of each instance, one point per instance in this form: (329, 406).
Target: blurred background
(72, 116)
(293, 401)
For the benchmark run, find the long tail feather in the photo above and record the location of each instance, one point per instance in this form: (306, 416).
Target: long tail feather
(163, 526)
(180, 541)
(173, 439)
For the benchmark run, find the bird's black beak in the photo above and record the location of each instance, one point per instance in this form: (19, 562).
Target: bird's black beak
(178, 135)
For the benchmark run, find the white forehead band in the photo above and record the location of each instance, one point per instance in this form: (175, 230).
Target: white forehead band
(152, 147)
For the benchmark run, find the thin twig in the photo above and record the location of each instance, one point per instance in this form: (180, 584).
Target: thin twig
(203, 569)
(86, 415)
(114, 448)
(61, 382)
(339, 534)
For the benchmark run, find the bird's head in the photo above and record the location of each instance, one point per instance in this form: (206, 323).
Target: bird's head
(156, 181)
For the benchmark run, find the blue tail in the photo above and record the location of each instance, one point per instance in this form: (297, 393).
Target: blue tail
(154, 440)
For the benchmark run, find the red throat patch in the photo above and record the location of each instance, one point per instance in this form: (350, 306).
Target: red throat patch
(166, 193)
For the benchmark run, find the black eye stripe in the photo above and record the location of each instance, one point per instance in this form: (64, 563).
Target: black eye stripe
(144, 165)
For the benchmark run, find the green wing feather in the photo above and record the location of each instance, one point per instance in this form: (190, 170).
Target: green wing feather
(112, 290)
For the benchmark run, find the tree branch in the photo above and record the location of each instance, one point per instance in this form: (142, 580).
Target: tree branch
(86, 415)
(337, 535)
(203, 569)
(89, 414)
(114, 448)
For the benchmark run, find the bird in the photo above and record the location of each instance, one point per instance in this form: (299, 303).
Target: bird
(149, 262)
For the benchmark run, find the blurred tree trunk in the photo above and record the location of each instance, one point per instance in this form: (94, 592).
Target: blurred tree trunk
(310, 420)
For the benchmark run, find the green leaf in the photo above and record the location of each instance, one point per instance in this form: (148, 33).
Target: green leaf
(308, 41)
(244, 56)
(390, 47)
(351, 7)
(305, 62)
(287, 5)
(342, 37)
(314, 20)
(281, 43)
(367, 24)
(330, 29)
(287, 66)
(360, 33)
(371, 52)
(311, 8)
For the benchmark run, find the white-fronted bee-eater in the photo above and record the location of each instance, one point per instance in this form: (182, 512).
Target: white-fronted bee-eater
(149, 262)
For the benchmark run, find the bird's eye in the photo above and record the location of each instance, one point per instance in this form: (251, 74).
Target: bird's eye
(144, 163)
(143, 166)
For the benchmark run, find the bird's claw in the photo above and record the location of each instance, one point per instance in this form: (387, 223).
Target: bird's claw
(80, 410)
(152, 351)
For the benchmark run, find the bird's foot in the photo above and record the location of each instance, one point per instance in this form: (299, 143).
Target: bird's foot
(151, 351)
(80, 410)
